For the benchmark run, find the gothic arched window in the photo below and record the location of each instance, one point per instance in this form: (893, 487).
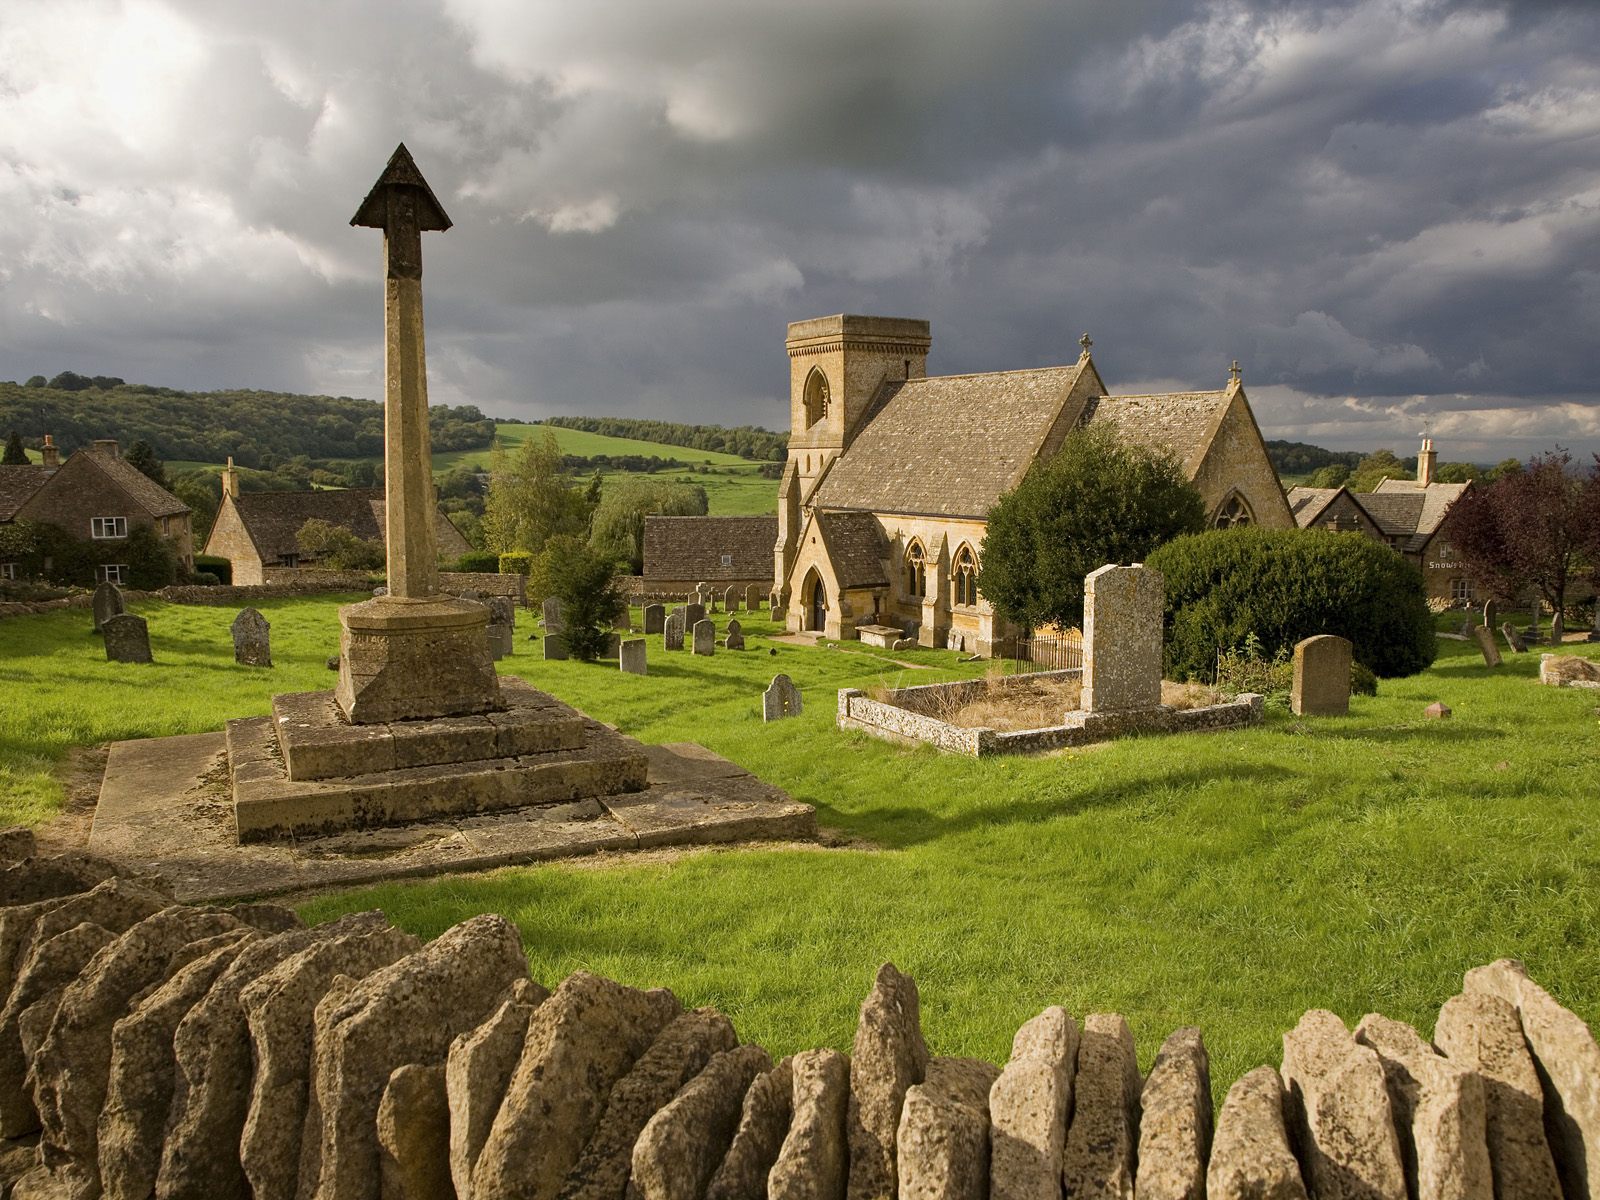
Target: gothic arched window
(916, 571)
(1234, 512)
(964, 576)
(816, 396)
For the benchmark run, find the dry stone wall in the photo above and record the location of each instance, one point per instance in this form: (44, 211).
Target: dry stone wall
(159, 1050)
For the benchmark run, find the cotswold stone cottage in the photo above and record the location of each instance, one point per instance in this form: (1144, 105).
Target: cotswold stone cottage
(882, 505)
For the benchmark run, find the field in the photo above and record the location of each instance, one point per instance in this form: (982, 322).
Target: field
(1229, 881)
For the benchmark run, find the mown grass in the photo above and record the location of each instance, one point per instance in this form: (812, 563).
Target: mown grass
(1229, 881)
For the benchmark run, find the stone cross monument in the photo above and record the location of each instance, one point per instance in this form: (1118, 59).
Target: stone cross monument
(413, 653)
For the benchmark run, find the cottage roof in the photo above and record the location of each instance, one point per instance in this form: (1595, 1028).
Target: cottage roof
(17, 484)
(144, 491)
(856, 547)
(1172, 422)
(272, 519)
(680, 548)
(1307, 503)
(1435, 501)
(950, 445)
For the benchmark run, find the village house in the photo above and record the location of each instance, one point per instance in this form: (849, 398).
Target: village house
(681, 553)
(257, 531)
(96, 497)
(883, 503)
(1407, 515)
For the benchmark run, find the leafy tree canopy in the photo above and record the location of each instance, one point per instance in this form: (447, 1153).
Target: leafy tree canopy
(143, 459)
(336, 548)
(618, 527)
(530, 500)
(747, 441)
(1096, 502)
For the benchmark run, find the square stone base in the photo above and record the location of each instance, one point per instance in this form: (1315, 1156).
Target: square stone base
(403, 660)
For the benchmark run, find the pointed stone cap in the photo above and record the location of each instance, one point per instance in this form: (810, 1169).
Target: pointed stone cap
(401, 173)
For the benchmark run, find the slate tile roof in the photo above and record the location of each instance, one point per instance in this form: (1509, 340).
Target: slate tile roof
(856, 548)
(692, 548)
(947, 446)
(17, 484)
(1400, 508)
(146, 492)
(1173, 422)
(1307, 503)
(272, 519)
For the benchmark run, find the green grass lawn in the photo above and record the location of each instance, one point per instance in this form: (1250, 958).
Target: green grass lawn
(1225, 880)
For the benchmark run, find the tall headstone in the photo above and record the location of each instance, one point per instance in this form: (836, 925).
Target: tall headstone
(414, 653)
(502, 610)
(1321, 685)
(1122, 639)
(552, 615)
(693, 614)
(632, 657)
(672, 631)
(735, 638)
(107, 603)
(252, 639)
(655, 618)
(555, 647)
(127, 638)
(705, 638)
(753, 597)
(781, 699)
(1484, 636)
(730, 599)
(1491, 615)
(502, 626)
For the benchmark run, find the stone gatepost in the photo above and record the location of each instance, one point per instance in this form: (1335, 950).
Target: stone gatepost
(1122, 639)
(1321, 677)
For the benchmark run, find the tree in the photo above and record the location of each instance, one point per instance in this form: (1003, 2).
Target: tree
(1375, 468)
(617, 530)
(530, 501)
(15, 455)
(36, 381)
(1506, 466)
(1456, 472)
(1096, 502)
(1331, 476)
(202, 492)
(143, 459)
(584, 581)
(336, 548)
(1533, 527)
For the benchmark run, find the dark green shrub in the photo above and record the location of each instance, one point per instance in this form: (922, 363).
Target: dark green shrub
(481, 561)
(1285, 585)
(584, 580)
(210, 564)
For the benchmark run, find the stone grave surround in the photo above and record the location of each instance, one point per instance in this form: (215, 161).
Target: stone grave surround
(184, 1051)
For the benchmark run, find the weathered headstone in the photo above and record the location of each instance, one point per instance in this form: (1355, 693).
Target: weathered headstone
(1491, 614)
(1122, 639)
(552, 616)
(502, 610)
(1535, 611)
(555, 646)
(613, 645)
(672, 631)
(1484, 636)
(752, 597)
(730, 599)
(252, 639)
(655, 618)
(127, 638)
(502, 642)
(632, 657)
(693, 614)
(107, 603)
(1321, 677)
(1513, 637)
(705, 638)
(781, 699)
(735, 638)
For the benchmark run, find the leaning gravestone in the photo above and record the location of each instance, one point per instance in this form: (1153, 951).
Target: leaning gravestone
(730, 599)
(107, 603)
(1484, 636)
(1514, 638)
(735, 639)
(252, 639)
(672, 631)
(552, 616)
(1321, 677)
(655, 618)
(127, 639)
(693, 614)
(781, 699)
(633, 657)
(705, 638)
(752, 597)
(555, 646)
(1122, 639)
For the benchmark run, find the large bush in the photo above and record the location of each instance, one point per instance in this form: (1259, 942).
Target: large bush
(1285, 585)
(584, 580)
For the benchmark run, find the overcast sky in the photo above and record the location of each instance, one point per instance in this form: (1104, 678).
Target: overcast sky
(1387, 210)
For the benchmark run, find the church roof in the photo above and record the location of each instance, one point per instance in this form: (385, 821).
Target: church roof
(680, 548)
(947, 446)
(17, 484)
(856, 548)
(272, 519)
(1174, 422)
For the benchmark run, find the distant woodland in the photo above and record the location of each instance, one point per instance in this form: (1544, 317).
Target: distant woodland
(747, 441)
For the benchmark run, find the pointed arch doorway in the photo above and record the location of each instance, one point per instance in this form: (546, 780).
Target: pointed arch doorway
(814, 595)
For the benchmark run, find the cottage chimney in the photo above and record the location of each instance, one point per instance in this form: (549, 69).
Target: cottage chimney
(108, 447)
(1425, 463)
(50, 456)
(230, 479)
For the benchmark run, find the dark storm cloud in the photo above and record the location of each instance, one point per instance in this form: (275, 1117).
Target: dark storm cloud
(1388, 209)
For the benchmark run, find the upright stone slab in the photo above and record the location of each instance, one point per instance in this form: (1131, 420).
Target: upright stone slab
(705, 638)
(1321, 677)
(888, 1057)
(1484, 636)
(1122, 639)
(1098, 1159)
(693, 614)
(942, 1144)
(735, 638)
(1028, 1108)
(631, 657)
(502, 610)
(107, 603)
(672, 631)
(1491, 614)
(127, 638)
(555, 647)
(753, 597)
(1175, 1121)
(814, 1161)
(252, 639)
(552, 616)
(764, 1122)
(477, 1073)
(781, 699)
(655, 618)
(730, 599)
(414, 1135)
(1250, 1156)
(683, 1144)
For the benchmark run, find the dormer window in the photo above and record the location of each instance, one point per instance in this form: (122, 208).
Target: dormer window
(816, 396)
(108, 527)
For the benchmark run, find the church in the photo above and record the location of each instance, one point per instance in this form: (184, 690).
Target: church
(891, 473)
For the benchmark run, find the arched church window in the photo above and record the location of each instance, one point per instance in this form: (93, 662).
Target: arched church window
(816, 396)
(916, 571)
(1234, 512)
(964, 572)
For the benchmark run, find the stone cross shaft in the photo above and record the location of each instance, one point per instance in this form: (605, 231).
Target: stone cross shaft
(403, 206)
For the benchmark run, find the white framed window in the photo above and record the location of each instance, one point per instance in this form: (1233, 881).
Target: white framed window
(1461, 590)
(108, 527)
(8, 570)
(727, 560)
(111, 573)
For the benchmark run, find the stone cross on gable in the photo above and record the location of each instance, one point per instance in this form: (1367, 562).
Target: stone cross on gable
(1234, 372)
(1086, 341)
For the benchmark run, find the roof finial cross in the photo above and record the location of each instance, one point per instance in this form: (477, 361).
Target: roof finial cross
(1234, 372)
(1086, 341)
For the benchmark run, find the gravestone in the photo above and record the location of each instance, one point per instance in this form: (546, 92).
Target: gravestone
(552, 616)
(1467, 624)
(1321, 677)
(502, 642)
(672, 631)
(1484, 636)
(735, 638)
(655, 618)
(632, 658)
(781, 699)
(107, 603)
(1491, 615)
(705, 638)
(693, 614)
(1535, 611)
(252, 639)
(1513, 637)
(1594, 631)
(475, 596)
(502, 610)
(555, 646)
(613, 644)
(1122, 639)
(127, 639)
(502, 626)
(752, 597)
(730, 599)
